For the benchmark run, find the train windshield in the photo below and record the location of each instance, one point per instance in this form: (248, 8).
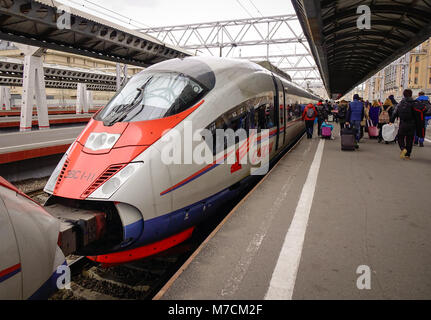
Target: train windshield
(152, 95)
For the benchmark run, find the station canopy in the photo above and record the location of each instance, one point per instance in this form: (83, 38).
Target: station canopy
(347, 55)
(49, 24)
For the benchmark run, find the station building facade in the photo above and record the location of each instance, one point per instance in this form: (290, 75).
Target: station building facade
(412, 70)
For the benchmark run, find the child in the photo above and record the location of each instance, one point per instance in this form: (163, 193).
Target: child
(325, 124)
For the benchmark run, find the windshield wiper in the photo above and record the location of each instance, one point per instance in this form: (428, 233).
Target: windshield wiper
(121, 111)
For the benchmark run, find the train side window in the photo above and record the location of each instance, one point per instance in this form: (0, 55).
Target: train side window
(289, 112)
(297, 110)
(217, 144)
(260, 118)
(281, 115)
(270, 115)
(235, 119)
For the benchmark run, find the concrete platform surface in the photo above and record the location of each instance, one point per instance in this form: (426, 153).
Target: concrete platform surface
(8, 122)
(32, 144)
(51, 111)
(366, 232)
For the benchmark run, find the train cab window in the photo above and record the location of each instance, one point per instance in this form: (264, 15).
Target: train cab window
(152, 95)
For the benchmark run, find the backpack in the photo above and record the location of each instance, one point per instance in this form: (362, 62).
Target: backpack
(425, 105)
(384, 116)
(405, 111)
(310, 113)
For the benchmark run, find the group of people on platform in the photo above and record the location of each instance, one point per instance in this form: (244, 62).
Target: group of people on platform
(360, 115)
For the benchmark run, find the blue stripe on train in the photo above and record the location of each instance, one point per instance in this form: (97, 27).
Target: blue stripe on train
(48, 288)
(172, 223)
(10, 274)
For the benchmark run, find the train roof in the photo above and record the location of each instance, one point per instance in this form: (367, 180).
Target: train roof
(206, 69)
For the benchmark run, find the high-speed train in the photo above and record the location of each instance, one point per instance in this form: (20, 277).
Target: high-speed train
(116, 165)
(29, 255)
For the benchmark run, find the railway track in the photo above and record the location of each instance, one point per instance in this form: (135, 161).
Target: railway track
(139, 280)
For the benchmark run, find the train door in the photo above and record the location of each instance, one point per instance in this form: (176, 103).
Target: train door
(282, 118)
(277, 86)
(10, 275)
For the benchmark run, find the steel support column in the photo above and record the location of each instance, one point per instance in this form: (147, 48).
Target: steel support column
(90, 101)
(33, 89)
(122, 72)
(5, 98)
(81, 99)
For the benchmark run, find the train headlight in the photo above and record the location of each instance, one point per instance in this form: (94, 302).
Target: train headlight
(50, 185)
(101, 140)
(107, 189)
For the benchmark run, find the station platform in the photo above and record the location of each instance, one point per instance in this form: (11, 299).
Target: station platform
(10, 122)
(17, 113)
(34, 144)
(323, 224)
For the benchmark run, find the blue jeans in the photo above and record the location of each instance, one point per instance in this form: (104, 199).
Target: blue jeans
(309, 125)
(356, 124)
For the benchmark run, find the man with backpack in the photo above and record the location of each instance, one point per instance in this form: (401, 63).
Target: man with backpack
(422, 110)
(309, 115)
(355, 114)
(406, 133)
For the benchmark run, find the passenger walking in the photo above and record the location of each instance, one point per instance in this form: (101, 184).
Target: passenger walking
(355, 114)
(342, 113)
(374, 112)
(385, 115)
(422, 110)
(365, 118)
(321, 116)
(335, 111)
(406, 133)
(309, 115)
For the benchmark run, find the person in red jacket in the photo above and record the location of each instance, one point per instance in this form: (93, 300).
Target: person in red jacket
(309, 115)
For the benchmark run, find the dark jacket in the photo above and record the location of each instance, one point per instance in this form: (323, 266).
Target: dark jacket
(422, 108)
(342, 113)
(322, 114)
(405, 111)
(425, 101)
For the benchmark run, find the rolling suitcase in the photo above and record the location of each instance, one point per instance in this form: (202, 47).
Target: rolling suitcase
(326, 133)
(373, 131)
(348, 139)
